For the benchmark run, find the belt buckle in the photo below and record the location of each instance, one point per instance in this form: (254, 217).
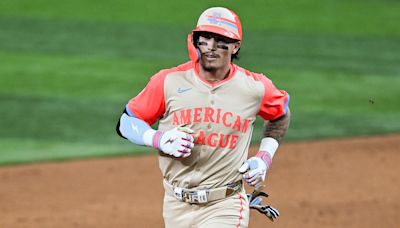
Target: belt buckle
(179, 193)
(196, 197)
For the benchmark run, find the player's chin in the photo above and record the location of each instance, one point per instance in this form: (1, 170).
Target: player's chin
(209, 66)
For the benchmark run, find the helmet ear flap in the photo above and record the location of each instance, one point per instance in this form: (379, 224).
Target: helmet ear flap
(194, 53)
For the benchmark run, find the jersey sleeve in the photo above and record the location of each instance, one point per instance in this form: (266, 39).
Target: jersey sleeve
(149, 104)
(275, 102)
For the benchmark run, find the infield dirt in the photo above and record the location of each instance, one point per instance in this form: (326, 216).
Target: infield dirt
(329, 183)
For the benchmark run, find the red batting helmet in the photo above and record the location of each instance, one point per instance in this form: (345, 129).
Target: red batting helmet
(217, 20)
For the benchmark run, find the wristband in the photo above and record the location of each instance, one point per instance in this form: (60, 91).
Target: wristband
(267, 150)
(156, 139)
(148, 137)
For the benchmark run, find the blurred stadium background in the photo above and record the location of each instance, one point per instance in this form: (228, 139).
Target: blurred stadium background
(67, 68)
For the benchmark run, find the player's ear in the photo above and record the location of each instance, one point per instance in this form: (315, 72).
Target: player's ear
(236, 47)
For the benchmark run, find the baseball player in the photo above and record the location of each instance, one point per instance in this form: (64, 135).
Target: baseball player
(206, 109)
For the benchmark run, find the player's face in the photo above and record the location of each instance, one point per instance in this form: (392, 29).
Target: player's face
(216, 50)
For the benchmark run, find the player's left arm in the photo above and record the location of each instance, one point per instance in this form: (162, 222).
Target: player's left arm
(273, 133)
(277, 129)
(275, 110)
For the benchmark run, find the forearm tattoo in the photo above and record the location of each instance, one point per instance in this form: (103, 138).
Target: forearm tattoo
(277, 128)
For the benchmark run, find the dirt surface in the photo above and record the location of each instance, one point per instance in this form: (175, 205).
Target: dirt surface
(330, 183)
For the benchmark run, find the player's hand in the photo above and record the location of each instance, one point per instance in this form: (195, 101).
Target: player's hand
(177, 142)
(254, 171)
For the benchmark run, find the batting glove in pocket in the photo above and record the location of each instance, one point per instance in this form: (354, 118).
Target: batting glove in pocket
(255, 200)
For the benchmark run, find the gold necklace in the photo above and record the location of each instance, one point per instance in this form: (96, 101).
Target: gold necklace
(213, 80)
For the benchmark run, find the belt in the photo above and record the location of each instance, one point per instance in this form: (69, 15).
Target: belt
(203, 195)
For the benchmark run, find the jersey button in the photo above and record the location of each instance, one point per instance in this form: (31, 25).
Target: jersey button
(212, 102)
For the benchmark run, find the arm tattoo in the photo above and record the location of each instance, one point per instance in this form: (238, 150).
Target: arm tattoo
(277, 128)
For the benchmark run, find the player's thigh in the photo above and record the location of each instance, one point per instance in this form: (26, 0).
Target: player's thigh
(230, 212)
(176, 214)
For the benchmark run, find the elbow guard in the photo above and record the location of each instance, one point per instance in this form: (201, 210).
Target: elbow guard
(118, 126)
(134, 129)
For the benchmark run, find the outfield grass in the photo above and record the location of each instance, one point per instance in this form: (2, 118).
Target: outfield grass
(68, 69)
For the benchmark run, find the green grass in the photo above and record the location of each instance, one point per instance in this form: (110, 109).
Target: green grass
(68, 69)
(367, 17)
(33, 150)
(334, 104)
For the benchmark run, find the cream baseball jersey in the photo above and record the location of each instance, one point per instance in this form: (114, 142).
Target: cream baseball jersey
(221, 114)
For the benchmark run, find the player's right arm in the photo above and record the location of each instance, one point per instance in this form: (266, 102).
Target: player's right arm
(144, 110)
(177, 142)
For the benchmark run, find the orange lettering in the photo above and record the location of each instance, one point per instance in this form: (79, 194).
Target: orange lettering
(236, 126)
(210, 140)
(224, 119)
(218, 115)
(200, 138)
(223, 144)
(209, 112)
(175, 120)
(197, 112)
(185, 116)
(245, 125)
(233, 142)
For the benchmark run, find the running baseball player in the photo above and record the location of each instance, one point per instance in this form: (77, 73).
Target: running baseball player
(206, 109)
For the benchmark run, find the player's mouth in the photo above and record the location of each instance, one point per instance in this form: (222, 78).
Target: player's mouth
(211, 56)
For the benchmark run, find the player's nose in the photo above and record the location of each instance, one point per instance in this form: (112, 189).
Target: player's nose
(212, 44)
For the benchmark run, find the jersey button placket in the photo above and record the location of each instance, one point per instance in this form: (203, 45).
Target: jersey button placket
(212, 102)
(212, 92)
